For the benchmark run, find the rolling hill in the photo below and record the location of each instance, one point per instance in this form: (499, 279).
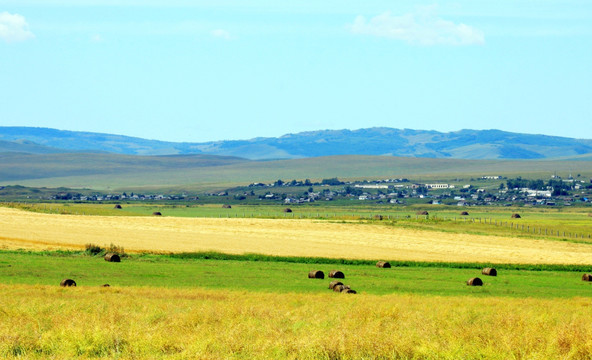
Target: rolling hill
(463, 144)
(206, 172)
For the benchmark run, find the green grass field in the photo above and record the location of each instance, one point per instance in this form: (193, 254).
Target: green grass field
(276, 276)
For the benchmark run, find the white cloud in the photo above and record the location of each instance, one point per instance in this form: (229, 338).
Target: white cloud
(220, 33)
(97, 38)
(14, 27)
(420, 28)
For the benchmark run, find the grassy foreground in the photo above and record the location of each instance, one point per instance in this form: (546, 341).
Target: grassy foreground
(39, 322)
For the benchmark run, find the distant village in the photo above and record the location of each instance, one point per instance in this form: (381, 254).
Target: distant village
(485, 190)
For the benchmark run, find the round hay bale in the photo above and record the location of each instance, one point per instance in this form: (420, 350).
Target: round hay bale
(334, 283)
(349, 291)
(378, 217)
(338, 288)
(383, 264)
(157, 213)
(475, 282)
(422, 213)
(516, 216)
(316, 274)
(105, 285)
(336, 274)
(112, 257)
(489, 271)
(226, 206)
(464, 213)
(67, 283)
(287, 210)
(117, 206)
(587, 277)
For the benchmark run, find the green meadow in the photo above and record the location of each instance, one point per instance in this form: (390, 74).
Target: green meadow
(277, 275)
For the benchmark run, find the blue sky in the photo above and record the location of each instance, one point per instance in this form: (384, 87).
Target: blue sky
(211, 70)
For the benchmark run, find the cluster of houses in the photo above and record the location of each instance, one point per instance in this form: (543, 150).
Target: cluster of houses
(486, 190)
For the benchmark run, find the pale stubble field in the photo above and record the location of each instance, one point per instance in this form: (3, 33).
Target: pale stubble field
(284, 237)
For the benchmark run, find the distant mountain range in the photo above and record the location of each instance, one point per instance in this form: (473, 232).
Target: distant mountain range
(463, 144)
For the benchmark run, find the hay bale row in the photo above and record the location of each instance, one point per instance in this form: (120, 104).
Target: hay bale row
(338, 286)
(422, 213)
(587, 277)
(383, 264)
(464, 213)
(287, 210)
(72, 283)
(516, 216)
(316, 274)
(226, 206)
(117, 206)
(157, 213)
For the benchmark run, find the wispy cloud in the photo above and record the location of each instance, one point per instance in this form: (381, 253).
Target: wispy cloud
(14, 27)
(419, 28)
(97, 38)
(221, 33)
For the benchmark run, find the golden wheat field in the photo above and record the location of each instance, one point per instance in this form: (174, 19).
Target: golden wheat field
(313, 238)
(153, 323)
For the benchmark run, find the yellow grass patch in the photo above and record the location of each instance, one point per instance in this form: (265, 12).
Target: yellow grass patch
(44, 322)
(21, 229)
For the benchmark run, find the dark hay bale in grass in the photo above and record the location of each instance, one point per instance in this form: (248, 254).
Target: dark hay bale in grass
(111, 257)
(334, 283)
(338, 288)
(157, 213)
(316, 274)
(383, 264)
(67, 283)
(287, 210)
(117, 206)
(378, 217)
(349, 291)
(226, 206)
(489, 271)
(587, 277)
(475, 282)
(105, 285)
(464, 213)
(422, 213)
(336, 274)
(516, 216)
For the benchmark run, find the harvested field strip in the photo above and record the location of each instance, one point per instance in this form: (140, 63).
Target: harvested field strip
(278, 237)
(280, 277)
(128, 323)
(571, 224)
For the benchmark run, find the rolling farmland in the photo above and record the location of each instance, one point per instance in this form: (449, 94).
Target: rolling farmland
(168, 302)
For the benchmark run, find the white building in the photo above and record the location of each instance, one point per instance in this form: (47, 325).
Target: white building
(437, 186)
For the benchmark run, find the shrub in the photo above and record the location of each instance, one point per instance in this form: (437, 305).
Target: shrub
(116, 250)
(93, 250)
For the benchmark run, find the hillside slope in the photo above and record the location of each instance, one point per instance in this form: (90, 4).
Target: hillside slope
(463, 144)
(102, 171)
